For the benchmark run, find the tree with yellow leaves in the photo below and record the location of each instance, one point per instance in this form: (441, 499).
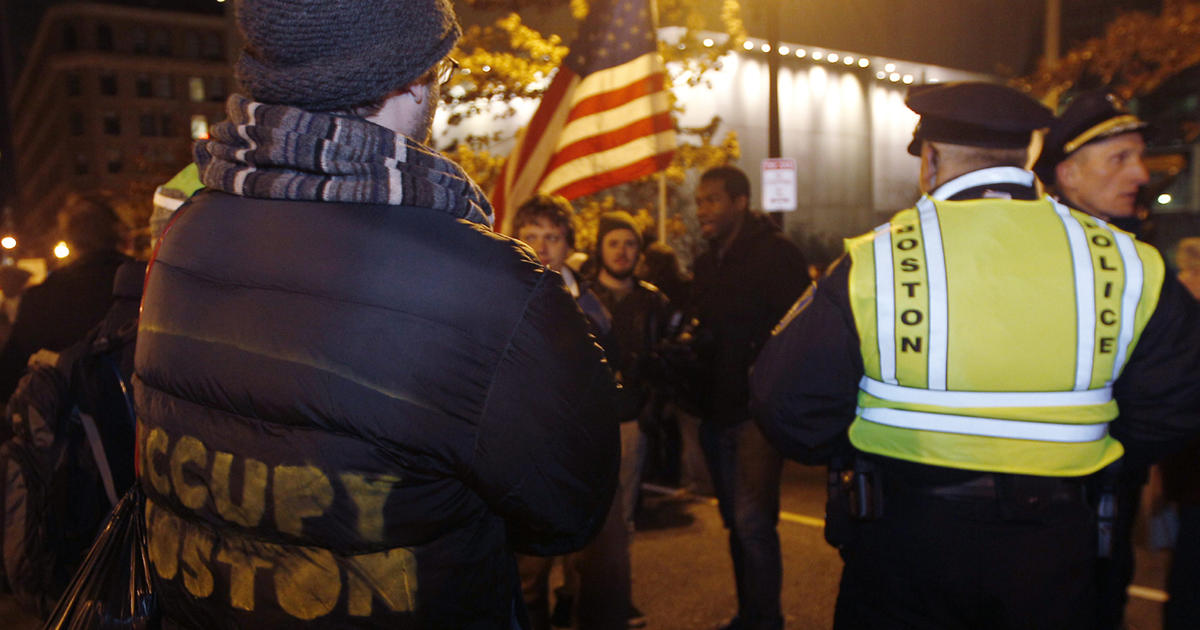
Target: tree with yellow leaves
(1134, 56)
(508, 60)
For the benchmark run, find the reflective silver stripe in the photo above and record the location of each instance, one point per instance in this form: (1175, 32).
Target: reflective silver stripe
(986, 427)
(1085, 297)
(983, 177)
(918, 396)
(939, 312)
(1129, 297)
(885, 303)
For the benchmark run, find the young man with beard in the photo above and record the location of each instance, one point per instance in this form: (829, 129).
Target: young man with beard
(639, 315)
(341, 371)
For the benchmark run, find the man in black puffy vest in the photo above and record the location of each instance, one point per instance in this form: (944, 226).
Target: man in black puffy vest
(355, 400)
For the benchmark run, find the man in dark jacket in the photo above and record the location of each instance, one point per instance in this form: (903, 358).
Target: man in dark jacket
(743, 285)
(355, 400)
(74, 298)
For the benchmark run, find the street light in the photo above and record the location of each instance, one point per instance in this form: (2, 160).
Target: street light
(61, 250)
(8, 242)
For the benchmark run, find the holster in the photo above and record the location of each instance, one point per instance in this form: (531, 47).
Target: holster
(855, 494)
(1104, 489)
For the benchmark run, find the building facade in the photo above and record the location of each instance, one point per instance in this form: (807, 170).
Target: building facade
(111, 98)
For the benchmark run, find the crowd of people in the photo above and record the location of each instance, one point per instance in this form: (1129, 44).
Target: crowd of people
(357, 405)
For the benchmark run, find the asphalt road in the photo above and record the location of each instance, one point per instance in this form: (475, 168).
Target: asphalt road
(683, 579)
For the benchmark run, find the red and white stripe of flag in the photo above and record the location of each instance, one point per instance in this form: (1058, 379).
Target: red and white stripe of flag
(610, 127)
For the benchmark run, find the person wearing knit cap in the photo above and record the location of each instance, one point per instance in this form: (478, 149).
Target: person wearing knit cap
(639, 318)
(1092, 158)
(341, 369)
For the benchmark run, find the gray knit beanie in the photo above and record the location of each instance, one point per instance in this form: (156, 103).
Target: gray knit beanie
(324, 55)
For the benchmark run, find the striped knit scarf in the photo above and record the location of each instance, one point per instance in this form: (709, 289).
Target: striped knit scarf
(281, 152)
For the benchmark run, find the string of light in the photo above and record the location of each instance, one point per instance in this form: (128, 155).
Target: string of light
(889, 72)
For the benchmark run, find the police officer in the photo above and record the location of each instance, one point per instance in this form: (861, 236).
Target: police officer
(973, 351)
(1092, 161)
(1092, 158)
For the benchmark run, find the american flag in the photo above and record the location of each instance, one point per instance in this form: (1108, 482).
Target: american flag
(605, 118)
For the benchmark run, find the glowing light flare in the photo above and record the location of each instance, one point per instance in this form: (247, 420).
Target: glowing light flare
(1164, 199)
(61, 250)
(908, 78)
(818, 55)
(748, 45)
(881, 75)
(708, 42)
(801, 53)
(784, 50)
(765, 48)
(832, 57)
(894, 77)
(8, 242)
(864, 62)
(848, 60)
(891, 67)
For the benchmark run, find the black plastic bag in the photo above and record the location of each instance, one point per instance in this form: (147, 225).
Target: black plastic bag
(113, 587)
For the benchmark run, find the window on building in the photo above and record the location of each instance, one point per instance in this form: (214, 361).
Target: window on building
(112, 124)
(191, 45)
(104, 37)
(76, 122)
(115, 161)
(74, 84)
(164, 86)
(70, 37)
(148, 125)
(160, 42)
(210, 46)
(81, 164)
(196, 89)
(166, 126)
(199, 127)
(138, 42)
(142, 86)
(216, 89)
(108, 84)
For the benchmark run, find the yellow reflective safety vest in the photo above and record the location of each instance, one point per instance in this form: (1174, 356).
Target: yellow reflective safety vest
(991, 333)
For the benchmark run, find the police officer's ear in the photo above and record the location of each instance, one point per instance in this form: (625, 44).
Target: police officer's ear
(929, 167)
(1066, 175)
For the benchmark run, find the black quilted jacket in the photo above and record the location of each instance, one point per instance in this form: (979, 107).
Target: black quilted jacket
(352, 415)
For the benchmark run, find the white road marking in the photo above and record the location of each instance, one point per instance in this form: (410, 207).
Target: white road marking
(1140, 592)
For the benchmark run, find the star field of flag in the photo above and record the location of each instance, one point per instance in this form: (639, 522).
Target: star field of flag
(612, 34)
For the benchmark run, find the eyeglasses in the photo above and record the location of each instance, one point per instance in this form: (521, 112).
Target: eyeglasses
(445, 69)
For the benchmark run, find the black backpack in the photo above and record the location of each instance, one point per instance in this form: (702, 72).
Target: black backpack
(67, 459)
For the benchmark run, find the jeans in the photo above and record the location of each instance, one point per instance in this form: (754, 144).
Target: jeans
(633, 461)
(745, 471)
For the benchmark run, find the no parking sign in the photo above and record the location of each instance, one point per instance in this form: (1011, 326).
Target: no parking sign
(779, 184)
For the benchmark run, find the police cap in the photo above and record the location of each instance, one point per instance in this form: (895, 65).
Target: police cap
(974, 113)
(1091, 117)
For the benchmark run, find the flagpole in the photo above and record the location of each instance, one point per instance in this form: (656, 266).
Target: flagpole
(662, 207)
